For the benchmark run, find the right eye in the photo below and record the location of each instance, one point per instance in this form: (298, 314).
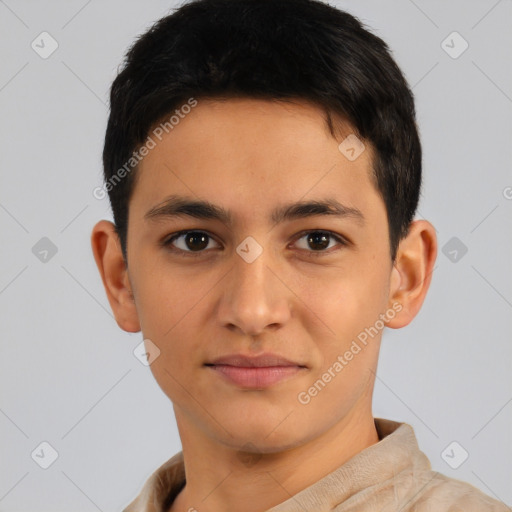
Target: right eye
(189, 242)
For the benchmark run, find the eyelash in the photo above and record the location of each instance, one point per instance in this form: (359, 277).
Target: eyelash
(167, 242)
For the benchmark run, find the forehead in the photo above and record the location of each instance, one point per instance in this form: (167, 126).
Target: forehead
(248, 151)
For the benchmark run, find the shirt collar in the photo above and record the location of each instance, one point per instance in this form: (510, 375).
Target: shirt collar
(396, 450)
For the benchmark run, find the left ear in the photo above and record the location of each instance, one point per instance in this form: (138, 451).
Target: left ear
(412, 272)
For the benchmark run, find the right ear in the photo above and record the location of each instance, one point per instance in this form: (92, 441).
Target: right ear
(106, 248)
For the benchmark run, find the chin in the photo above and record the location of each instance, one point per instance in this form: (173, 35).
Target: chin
(265, 436)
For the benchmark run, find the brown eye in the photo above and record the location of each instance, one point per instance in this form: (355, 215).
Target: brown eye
(191, 241)
(319, 241)
(196, 241)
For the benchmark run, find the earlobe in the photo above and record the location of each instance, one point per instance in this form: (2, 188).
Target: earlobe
(114, 274)
(412, 272)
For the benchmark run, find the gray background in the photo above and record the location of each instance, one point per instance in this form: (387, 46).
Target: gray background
(68, 375)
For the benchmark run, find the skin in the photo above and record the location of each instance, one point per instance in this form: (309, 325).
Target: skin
(308, 305)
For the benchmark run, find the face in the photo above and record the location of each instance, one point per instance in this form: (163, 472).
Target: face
(284, 255)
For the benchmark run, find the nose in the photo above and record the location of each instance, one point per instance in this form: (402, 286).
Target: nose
(254, 298)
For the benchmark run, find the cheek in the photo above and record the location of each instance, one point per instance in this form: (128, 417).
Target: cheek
(348, 360)
(352, 299)
(171, 308)
(175, 332)
(165, 296)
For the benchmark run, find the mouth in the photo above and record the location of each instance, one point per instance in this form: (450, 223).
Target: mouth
(257, 372)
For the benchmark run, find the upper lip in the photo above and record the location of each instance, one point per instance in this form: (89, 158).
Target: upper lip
(261, 361)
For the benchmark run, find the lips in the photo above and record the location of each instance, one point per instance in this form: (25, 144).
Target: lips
(255, 372)
(263, 360)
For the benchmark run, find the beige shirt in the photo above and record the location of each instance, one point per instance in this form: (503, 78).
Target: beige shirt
(392, 475)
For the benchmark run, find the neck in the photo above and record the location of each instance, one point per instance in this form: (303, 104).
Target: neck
(219, 479)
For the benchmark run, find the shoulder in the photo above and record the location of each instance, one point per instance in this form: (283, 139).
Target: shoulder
(161, 487)
(443, 494)
(407, 482)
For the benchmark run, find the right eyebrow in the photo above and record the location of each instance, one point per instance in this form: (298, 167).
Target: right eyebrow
(176, 206)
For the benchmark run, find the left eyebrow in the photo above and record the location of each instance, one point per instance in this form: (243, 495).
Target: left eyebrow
(176, 206)
(304, 209)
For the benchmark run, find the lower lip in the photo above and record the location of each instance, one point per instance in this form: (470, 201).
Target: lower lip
(256, 377)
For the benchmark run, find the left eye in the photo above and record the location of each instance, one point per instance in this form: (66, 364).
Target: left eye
(319, 241)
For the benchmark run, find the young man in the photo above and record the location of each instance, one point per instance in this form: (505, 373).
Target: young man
(264, 167)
